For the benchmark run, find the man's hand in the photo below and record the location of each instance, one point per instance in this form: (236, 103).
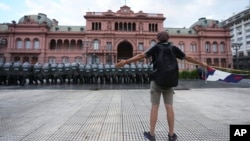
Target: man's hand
(120, 64)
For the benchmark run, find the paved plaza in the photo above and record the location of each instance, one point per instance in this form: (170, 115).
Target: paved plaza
(118, 115)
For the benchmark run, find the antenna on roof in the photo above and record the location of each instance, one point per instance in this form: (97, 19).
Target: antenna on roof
(125, 2)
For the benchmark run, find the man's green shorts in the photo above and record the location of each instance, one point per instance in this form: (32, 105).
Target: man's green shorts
(157, 91)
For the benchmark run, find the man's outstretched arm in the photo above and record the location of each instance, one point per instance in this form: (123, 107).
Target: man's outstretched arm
(133, 59)
(193, 60)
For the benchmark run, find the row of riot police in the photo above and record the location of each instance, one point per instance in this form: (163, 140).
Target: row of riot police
(16, 73)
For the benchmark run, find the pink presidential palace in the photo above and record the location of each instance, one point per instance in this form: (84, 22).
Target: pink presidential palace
(109, 36)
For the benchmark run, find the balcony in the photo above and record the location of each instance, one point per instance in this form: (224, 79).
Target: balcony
(21, 50)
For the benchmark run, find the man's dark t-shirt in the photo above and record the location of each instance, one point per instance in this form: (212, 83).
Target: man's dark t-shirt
(155, 50)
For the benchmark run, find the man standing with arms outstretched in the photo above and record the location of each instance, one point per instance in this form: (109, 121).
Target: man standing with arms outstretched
(155, 90)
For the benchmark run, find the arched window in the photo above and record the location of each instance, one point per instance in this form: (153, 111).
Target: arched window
(222, 47)
(215, 48)
(36, 44)
(96, 45)
(134, 26)
(207, 47)
(27, 44)
(52, 60)
(116, 26)
(120, 27)
(95, 59)
(52, 44)
(78, 59)
(193, 47)
(125, 27)
(99, 26)
(93, 26)
(18, 43)
(181, 46)
(156, 27)
(140, 47)
(59, 44)
(65, 59)
(129, 27)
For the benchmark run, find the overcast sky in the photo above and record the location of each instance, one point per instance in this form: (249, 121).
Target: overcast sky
(178, 13)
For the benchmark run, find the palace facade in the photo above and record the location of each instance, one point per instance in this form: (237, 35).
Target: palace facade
(108, 37)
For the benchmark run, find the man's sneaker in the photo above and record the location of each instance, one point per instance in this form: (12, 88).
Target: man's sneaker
(149, 136)
(172, 138)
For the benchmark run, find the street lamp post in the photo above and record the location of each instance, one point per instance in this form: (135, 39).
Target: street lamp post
(236, 47)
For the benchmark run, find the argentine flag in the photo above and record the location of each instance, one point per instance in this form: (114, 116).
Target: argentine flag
(217, 75)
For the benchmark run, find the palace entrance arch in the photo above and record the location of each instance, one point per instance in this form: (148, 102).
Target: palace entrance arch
(124, 50)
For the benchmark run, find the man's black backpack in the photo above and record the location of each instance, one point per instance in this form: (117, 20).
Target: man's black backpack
(166, 73)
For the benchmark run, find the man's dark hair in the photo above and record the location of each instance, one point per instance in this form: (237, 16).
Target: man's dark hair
(163, 36)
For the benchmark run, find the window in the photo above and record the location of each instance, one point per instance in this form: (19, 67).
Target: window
(19, 44)
(222, 48)
(247, 25)
(240, 39)
(109, 59)
(152, 27)
(238, 30)
(248, 36)
(125, 26)
(65, 59)
(96, 45)
(193, 47)
(120, 27)
(96, 26)
(52, 60)
(247, 30)
(1, 58)
(36, 44)
(207, 47)
(241, 54)
(140, 47)
(215, 47)
(152, 43)
(26, 59)
(95, 59)
(116, 26)
(27, 44)
(109, 46)
(17, 58)
(181, 64)
(78, 60)
(181, 46)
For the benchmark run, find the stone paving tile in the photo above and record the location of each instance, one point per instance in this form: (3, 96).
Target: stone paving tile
(118, 115)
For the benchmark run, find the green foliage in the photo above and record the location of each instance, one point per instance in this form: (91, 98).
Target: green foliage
(185, 74)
